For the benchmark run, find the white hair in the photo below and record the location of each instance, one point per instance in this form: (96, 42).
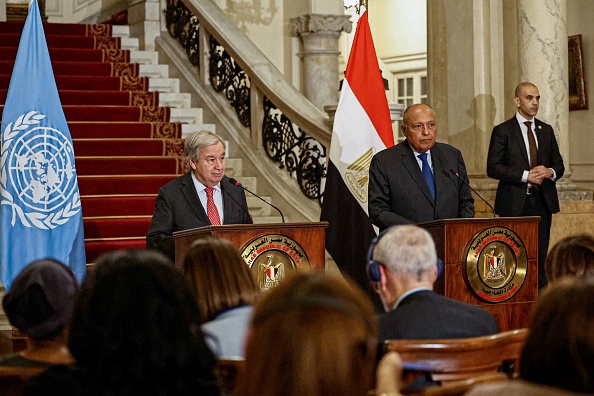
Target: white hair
(197, 140)
(406, 250)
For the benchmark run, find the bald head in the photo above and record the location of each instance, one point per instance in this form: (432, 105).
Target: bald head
(521, 86)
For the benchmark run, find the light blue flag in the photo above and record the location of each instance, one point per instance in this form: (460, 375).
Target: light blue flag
(40, 211)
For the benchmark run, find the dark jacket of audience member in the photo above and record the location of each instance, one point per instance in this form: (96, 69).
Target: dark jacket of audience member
(225, 290)
(559, 350)
(571, 256)
(39, 304)
(314, 335)
(135, 331)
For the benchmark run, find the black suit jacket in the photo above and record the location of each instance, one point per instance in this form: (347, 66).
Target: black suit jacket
(178, 208)
(398, 193)
(426, 315)
(508, 159)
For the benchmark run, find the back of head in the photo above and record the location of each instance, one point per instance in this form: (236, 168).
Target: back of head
(314, 335)
(559, 350)
(219, 276)
(41, 299)
(135, 329)
(406, 250)
(571, 256)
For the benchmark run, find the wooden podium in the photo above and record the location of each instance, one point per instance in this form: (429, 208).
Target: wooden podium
(311, 237)
(452, 237)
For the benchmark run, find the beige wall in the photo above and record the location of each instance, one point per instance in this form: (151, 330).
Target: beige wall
(399, 27)
(581, 122)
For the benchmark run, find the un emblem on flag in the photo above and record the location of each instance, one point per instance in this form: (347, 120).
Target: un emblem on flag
(37, 173)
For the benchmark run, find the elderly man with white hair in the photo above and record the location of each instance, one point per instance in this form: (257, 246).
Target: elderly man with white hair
(406, 269)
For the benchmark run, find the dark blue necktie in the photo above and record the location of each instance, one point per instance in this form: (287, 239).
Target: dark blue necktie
(427, 174)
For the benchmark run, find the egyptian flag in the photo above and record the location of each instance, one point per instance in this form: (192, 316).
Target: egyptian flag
(362, 127)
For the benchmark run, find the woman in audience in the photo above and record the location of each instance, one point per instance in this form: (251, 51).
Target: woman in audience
(225, 290)
(39, 304)
(571, 256)
(312, 335)
(558, 355)
(135, 331)
(559, 350)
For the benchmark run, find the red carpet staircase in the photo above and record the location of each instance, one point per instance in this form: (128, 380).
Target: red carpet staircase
(126, 146)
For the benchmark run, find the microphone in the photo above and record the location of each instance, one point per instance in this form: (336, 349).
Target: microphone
(238, 184)
(469, 186)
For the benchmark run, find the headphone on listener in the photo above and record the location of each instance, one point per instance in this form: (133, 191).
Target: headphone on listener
(373, 271)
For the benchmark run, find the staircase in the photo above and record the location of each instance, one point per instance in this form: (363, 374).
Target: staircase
(127, 119)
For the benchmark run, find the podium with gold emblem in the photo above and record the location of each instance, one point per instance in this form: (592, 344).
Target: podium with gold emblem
(272, 251)
(490, 262)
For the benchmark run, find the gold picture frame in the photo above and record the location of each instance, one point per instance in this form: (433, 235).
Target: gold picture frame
(577, 82)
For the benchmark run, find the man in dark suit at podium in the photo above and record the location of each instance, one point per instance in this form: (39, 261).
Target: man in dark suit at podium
(202, 197)
(418, 180)
(406, 261)
(525, 158)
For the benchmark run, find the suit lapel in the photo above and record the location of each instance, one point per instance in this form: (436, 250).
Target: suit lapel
(226, 205)
(519, 138)
(412, 166)
(438, 170)
(189, 192)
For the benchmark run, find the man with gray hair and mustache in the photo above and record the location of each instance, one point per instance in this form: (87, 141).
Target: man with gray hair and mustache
(407, 268)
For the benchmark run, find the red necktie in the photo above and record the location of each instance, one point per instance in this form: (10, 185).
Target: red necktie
(532, 146)
(211, 208)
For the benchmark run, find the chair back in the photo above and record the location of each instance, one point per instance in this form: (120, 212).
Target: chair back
(464, 358)
(12, 379)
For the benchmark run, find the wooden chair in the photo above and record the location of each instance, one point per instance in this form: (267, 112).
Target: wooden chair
(464, 358)
(459, 388)
(227, 372)
(12, 379)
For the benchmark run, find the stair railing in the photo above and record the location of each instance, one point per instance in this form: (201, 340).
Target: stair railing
(277, 117)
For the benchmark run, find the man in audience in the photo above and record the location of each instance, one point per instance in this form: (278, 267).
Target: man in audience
(407, 264)
(202, 197)
(40, 304)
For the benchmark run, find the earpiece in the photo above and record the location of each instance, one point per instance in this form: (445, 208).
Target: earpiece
(373, 271)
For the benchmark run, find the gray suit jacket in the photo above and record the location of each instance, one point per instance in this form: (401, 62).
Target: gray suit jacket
(398, 193)
(178, 208)
(508, 159)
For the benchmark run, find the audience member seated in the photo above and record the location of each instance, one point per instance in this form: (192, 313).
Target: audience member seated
(558, 356)
(225, 290)
(135, 331)
(39, 304)
(406, 269)
(571, 256)
(402, 269)
(313, 335)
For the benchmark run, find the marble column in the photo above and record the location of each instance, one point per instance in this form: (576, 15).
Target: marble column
(319, 53)
(466, 77)
(542, 56)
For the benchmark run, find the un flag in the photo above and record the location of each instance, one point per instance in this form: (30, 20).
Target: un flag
(40, 211)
